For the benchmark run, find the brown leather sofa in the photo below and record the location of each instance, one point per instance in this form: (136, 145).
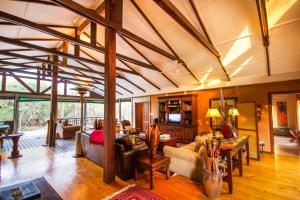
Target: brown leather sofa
(124, 156)
(125, 159)
(65, 130)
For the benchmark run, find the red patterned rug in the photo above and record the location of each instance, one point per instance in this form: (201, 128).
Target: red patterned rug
(134, 192)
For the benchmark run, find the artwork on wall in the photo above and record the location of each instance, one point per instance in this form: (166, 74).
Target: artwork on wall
(282, 114)
(227, 103)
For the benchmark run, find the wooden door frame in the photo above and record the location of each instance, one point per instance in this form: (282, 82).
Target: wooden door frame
(271, 114)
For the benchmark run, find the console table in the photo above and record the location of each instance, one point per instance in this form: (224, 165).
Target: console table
(144, 162)
(228, 149)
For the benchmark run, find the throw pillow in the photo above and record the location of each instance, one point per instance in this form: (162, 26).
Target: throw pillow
(125, 141)
(199, 140)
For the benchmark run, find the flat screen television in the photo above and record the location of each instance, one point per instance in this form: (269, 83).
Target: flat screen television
(174, 118)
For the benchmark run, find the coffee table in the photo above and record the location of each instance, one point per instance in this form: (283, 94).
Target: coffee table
(160, 161)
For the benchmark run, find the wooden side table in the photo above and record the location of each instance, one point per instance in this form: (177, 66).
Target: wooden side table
(231, 149)
(160, 161)
(15, 139)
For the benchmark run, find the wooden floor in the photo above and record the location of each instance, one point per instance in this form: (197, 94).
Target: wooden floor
(274, 177)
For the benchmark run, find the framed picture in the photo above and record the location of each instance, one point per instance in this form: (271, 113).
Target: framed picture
(282, 114)
(216, 103)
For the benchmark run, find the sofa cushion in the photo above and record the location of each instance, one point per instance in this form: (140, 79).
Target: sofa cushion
(97, 137)
(125, 141)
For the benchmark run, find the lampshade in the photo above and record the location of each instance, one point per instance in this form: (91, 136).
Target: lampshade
(233, 112)
(213, 112)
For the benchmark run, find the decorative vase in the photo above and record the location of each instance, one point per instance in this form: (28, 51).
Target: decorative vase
(212, 179)
(152, 140)
(226, 129)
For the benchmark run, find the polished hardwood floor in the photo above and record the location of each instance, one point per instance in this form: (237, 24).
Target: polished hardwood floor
(274, 177)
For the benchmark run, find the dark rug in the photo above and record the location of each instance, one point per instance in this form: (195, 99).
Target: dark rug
(134, 192)
(47, 192)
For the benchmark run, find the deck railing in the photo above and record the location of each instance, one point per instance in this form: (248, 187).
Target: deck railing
(89, 122)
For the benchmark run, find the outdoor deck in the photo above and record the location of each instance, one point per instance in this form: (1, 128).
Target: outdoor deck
(36, 139)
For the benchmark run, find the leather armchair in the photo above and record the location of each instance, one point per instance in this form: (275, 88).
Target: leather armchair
(125, 159)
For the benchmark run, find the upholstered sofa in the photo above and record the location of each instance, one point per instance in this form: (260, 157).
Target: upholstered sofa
(124, 155)
(93, 152)
(185, 161)
(65, 130)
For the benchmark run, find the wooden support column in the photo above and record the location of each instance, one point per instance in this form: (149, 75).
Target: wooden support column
(65, 50)
(3, 82)
(77, 47)
(38, 82)
(53, 113)
(16, 114)
(113, 13)
(93, 33)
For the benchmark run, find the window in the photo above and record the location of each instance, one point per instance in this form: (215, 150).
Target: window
(69, 109)
(6, 109)
(126, 110)
(95, 110)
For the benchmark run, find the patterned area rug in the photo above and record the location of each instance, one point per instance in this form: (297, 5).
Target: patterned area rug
(134, 192)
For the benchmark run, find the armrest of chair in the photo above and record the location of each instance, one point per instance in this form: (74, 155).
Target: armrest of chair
(182, 154)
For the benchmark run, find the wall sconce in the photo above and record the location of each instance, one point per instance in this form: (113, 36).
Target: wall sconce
(258, 112)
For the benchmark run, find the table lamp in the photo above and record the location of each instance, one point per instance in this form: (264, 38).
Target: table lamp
(233, 112)
(213, 113)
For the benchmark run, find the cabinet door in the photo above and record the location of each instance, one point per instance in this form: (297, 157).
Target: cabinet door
(190, 134)
(162, 128)
(178, 132)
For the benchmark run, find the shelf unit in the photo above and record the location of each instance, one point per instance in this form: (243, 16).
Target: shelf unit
(185, 105)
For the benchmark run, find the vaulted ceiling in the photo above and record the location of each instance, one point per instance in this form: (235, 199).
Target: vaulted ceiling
(178, 45)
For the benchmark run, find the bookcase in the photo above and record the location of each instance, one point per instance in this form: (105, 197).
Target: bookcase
(178, 116)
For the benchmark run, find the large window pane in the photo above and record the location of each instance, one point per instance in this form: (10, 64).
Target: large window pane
(126, 111)
(95, 110)
(6, 109)
(33, 115)
(69, 110)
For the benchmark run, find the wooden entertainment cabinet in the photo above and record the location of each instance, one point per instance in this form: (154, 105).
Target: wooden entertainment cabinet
(182, 110)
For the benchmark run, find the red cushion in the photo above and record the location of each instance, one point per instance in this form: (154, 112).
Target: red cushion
(97, 137)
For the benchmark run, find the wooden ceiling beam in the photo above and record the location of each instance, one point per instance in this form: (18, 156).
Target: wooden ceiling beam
(22, 83)
(130, 69)
(200, 21)
(86, 22)
(94, 16)
(118, 75)
(19, 56)
(207, 36)
(177, 16)
(48, 25)
(147, 80)
(141, 54)
(75, 40)
(163, 39)
(44, 69)
(263, 22)
(48, 3)
(55, 52)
